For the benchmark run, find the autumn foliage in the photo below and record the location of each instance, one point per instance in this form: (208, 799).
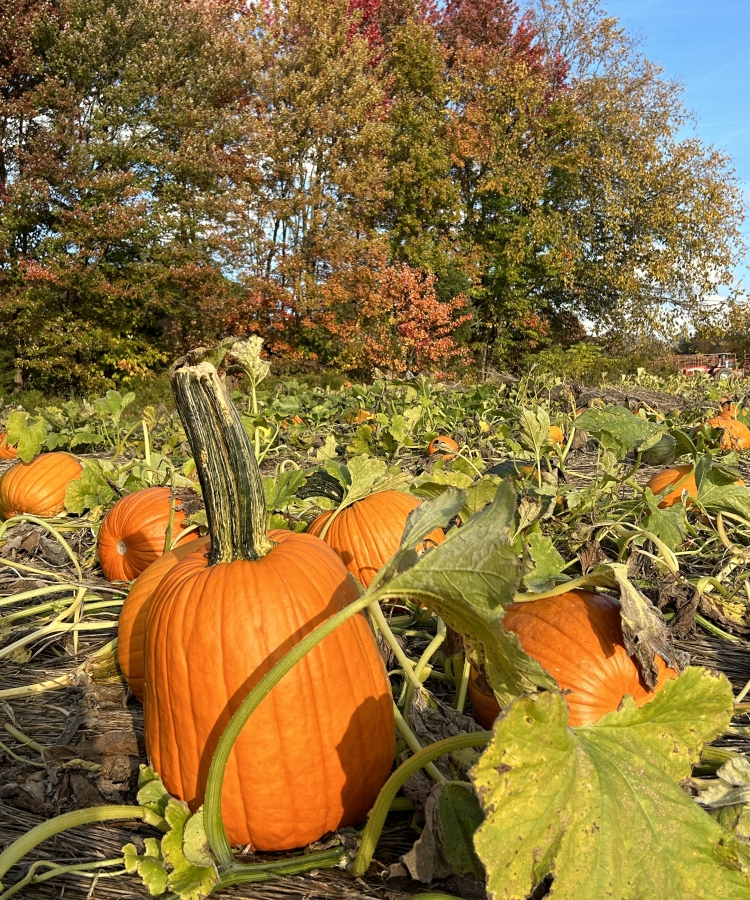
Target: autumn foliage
(365, 183)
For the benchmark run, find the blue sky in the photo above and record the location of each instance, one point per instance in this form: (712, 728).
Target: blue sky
(706, 46)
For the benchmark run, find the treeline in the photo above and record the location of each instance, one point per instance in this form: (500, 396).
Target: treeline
(365, 183)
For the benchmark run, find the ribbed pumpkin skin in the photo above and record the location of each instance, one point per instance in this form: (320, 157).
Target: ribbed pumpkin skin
(672, 476)
(132, 534)
(368, 533)
(38, 487)
(132, 624)
(7, 452)
(319, 748)
(577, 638)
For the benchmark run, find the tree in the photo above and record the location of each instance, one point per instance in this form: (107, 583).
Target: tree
(579, 195)
(116, 123)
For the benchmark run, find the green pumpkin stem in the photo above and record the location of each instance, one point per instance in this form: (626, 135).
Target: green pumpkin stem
(227, 467)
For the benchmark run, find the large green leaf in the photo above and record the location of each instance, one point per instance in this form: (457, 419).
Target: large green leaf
(599, 807)
(618, 430)
(468, 581)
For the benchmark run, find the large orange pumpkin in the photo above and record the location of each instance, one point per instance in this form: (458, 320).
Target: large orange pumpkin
(734, 434)
(132, 534)
(132, 624)
(38, 487)
(674, 475)
(6, 451)
(317, 750)
(368, 533)
(577, 638)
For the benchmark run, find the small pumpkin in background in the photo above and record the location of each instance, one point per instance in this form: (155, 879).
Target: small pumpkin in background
(443, 445)
(131, 627)
(662, 480)
(577, 638)
(368, 533)
(38, 487)
(132, 534)
(556, 435)
(6, 451)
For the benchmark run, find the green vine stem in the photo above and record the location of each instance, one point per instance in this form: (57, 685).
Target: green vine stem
(387, 794)
(242, 873)
(42, 832)
(463, 686)
(234, 498)
(376, 614)
(87, 870)
(412, 742)
(13, 599)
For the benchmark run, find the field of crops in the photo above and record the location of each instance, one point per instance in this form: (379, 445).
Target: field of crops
(383, 661)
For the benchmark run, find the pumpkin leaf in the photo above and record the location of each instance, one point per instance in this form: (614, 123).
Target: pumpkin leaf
(468, 581)
(618, 430)
(151, 792)
(599, 808)
(669, 524)
(281, 490)
(248, 358)
(644, 630)
(329, 450)
(730, 787)
(548, 564)
(26, 433)
(90, 491)
(452, 815)
(428, 516)
(188, 880)
(150, 866)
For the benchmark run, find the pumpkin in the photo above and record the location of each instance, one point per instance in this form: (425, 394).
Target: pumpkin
(133, 532)
(132, 624)
(443, 445)
(556, 434)
(676, 474)
(728, 409)
(368, 533)
(577, 638)
(734, 434)
(320, 746)
(38, 487)
(662, 453)
(6, 451)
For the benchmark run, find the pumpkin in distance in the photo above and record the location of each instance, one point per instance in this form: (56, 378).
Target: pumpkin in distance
(368, 533)
(38, 487)
(133, 532)
(556, 434)
(6, 451)
(577, 638)
(131, 627)
(443, 445)
(317, 750)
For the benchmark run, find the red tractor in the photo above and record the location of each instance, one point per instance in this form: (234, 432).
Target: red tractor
(718, 365)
